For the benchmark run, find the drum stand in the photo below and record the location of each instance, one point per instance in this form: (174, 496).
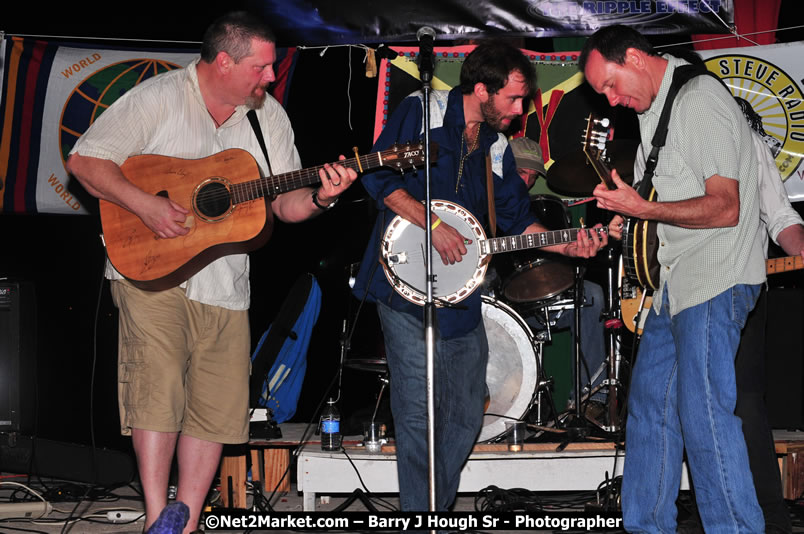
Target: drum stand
(576, 426)
(544, 388)
(614, 360)
(613, 325)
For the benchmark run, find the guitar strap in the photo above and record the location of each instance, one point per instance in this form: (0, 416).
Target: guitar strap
(490, 193)
(255, 125)
(681, 76)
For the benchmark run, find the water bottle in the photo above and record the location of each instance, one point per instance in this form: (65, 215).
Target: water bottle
(331, 427)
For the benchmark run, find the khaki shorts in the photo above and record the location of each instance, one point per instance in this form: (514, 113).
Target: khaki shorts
(183, 366)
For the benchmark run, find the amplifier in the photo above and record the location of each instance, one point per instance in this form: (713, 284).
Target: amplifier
(17, 356)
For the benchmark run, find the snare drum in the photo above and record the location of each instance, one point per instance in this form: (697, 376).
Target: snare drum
(536, 278)
(512, 372)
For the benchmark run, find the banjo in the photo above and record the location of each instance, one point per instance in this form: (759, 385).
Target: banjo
(640, 241)
(403, 256)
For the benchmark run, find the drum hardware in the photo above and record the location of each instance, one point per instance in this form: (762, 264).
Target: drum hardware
(374, 365)
(613, 324)
(614, 361)
(384, 381)
(544, 390)
(576, 425)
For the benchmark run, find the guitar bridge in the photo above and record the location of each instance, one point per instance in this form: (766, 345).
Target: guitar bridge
(400, 258)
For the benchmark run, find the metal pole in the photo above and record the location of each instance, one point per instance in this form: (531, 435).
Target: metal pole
(425, 36)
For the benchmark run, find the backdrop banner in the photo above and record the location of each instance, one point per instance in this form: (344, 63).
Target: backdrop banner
(52, 93)
(324, 22)
(767, 78)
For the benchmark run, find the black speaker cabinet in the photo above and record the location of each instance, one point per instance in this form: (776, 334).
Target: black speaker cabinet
(784, 344)
(17, 356)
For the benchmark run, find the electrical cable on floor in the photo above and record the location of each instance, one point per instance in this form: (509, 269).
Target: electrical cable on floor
(495, 499)
(385, 503)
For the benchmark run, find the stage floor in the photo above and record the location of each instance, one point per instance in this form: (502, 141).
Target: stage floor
(325, 481)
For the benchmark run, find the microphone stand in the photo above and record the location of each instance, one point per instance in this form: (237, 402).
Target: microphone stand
(425, 36)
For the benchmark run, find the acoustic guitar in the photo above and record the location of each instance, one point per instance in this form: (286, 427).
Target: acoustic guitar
(634, 308)
(640, 242)
(229, 211)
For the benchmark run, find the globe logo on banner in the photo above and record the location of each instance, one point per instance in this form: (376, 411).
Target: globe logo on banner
(100, 90)
(772, 102)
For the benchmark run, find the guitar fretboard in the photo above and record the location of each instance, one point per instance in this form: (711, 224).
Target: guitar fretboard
(289, 181)
(781, 265)
(541, 239)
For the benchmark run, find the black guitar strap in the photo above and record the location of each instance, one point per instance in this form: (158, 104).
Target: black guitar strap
(255, 125)
(681, 76)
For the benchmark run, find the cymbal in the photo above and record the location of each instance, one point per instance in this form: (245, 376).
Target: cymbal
(574, 175)
(378, 365)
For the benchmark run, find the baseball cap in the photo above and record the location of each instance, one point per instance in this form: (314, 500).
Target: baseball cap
(528, 154)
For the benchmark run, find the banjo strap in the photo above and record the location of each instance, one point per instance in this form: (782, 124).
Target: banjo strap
(490, 193)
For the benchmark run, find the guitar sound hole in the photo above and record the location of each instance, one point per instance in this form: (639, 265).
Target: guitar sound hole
(213, 200)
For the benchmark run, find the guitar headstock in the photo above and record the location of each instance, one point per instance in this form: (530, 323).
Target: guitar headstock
(403, 156)
(594, 146)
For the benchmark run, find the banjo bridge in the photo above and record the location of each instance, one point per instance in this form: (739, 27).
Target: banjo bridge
(398, 258)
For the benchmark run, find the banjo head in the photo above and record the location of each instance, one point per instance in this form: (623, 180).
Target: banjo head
(403, 258)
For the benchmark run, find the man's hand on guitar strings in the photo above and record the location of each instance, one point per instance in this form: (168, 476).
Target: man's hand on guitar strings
(623, 200)
(164, 217)
(449, 243)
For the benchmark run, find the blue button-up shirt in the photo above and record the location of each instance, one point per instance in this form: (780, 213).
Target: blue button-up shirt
(512, 205)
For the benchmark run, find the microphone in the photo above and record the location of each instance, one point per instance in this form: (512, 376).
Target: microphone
(425, 36)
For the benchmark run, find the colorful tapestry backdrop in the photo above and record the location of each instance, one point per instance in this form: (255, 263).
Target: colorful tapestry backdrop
(557, 122)
(767, 77)
(52, 93)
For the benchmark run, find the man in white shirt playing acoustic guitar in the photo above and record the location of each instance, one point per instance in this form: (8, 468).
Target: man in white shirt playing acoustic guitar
(184, 351)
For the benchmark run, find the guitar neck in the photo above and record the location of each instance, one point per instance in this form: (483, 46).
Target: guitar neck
(593, 148)
(535, 240)
(782, 265)
(289, 181)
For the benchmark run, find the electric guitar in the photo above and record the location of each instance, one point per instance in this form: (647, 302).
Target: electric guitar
(634, 310)
(402, 254)
(229, 211)
(640, 242)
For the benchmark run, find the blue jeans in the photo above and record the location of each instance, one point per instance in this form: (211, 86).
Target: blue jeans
(459, 391)
(683, 394)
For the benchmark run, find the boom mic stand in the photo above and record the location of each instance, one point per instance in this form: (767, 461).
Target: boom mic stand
(425, 36)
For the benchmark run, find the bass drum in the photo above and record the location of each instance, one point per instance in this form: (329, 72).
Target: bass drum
(512, 372)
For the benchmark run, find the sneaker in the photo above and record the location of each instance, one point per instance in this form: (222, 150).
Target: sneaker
(172, 519)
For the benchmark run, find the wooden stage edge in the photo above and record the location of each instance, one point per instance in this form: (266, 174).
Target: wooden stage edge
(539, 466)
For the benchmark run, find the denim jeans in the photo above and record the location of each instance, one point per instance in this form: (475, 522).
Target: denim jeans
(683, 394)
(459, 391)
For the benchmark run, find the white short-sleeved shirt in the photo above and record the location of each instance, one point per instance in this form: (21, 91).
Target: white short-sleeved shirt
(166, 115)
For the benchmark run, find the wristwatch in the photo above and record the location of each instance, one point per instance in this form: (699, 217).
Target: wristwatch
(318, 204)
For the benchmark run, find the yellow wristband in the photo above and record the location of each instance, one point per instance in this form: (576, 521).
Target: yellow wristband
(435, 224)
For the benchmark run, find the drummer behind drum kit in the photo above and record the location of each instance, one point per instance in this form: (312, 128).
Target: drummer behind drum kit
(522, 282)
